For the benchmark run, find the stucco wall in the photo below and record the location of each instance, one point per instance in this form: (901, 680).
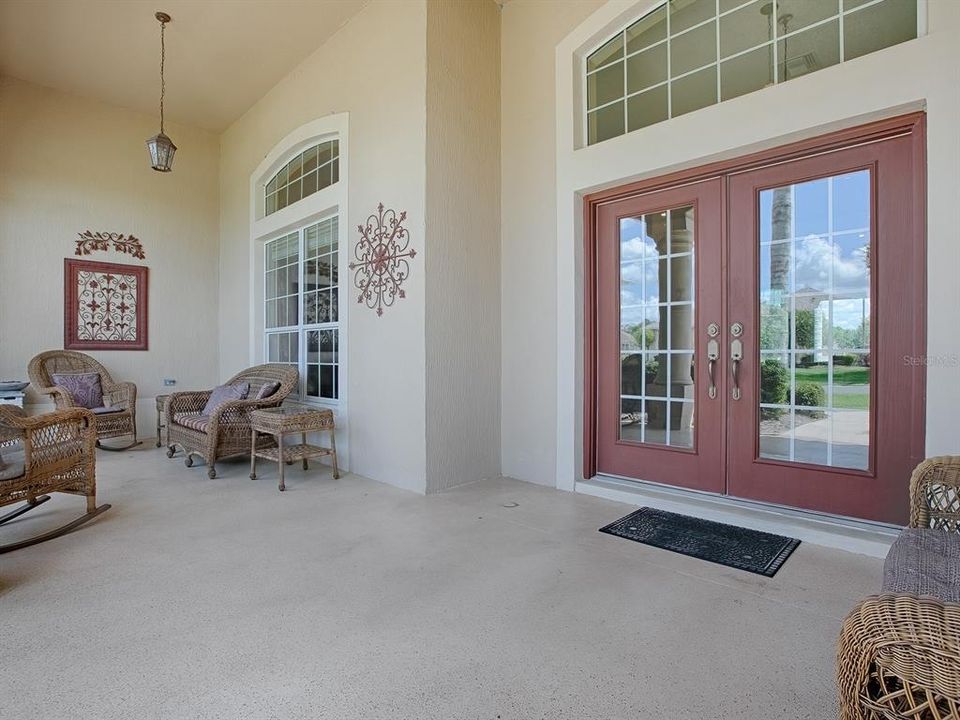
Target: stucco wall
(463, 242)
(530, 30)
(542, 347)
(69, 164)
(373, 68)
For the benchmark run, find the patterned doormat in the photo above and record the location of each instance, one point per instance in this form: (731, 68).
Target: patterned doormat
(736, 547)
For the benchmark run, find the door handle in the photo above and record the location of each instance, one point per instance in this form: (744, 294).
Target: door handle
(736, 357)
(713, 354)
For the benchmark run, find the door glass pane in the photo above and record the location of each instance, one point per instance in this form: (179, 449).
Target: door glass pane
(657, 301)
(815, 369)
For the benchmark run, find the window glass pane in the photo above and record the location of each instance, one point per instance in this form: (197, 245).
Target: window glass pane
(328, 235)
(815, 322)
(282, 176)
(271, 205)
(309, 275)
(656, 328)
(687, 13)
(325, 153)
(605, 85)
(271, 285)
(335, 171)
(694, 91)
(793, 15)
(295, 168)
(310, 159)
(647, 30)
(746, 73)
(326, 381)
(323, 176)
(281, 198)
(292, 317)
(879, 26)
(309, 183)
(810, 50)
(693, 49)
(647, 68)
(746, 28)
(647, 108)
(607, 53)
(605, 123)
(293, 192)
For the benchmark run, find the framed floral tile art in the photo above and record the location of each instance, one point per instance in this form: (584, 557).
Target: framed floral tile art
(105, 306)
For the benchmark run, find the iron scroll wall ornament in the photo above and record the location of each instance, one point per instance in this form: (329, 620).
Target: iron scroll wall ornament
(126, 244)
(382, 259)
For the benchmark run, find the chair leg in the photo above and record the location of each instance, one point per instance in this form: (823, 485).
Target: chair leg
(25, 508)
(62, 530)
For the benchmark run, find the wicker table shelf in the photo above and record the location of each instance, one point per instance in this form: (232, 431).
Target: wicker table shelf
(282, 421)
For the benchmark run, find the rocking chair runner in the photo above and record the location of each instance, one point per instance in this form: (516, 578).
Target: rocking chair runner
(44, 454)
(120, 397)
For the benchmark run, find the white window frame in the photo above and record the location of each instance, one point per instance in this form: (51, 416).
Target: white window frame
(321, 205)
(643, 9)
(302, 327)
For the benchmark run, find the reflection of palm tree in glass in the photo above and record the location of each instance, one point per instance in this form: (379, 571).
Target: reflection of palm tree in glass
(780, 256)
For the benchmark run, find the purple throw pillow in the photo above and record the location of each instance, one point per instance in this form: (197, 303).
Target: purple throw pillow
(225, 393)
(268, 389)
(84, 388)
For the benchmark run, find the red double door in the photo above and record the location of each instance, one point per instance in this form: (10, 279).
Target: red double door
(759, 328)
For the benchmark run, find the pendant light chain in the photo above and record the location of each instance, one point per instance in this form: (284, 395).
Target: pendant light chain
(163, 85)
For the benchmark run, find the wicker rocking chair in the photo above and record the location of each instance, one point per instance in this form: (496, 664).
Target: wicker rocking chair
(117, 419)
(899, 653)
(45, 454)
(226, 432)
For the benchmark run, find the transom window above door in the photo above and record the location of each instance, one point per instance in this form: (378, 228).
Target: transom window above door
(314, 169)
(688, 54)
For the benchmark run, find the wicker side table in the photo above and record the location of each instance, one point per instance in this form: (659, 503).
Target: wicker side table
(161, 408)
(282, 421)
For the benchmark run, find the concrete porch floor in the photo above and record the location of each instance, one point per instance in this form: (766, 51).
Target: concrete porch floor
(197, 598)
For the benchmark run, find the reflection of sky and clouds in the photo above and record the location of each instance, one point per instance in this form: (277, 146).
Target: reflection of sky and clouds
(639, 272)
(828, 258)
(640, 291)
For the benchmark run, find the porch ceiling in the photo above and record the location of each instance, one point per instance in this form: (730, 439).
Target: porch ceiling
(222, 55)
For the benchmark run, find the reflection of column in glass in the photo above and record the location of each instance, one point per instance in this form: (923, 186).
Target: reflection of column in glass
(676, 313)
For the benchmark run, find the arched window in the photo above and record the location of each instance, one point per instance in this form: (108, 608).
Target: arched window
(314, 169)
(298, 197)
(687, 54)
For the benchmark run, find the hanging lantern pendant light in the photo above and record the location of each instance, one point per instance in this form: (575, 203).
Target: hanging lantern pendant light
(160, 146)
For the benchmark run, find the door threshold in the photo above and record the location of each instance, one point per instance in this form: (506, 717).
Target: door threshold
(843, 533)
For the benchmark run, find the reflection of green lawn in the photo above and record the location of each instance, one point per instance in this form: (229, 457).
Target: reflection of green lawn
(852, 402)
(842, 375)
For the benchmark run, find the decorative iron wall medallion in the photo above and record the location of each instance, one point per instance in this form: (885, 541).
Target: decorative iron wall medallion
(127, 244)
(382, 259)
(105, 306)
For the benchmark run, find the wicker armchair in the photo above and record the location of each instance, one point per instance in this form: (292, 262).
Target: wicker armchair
(121, 395)
(44, 454)
(899, 654)
(225, 433)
